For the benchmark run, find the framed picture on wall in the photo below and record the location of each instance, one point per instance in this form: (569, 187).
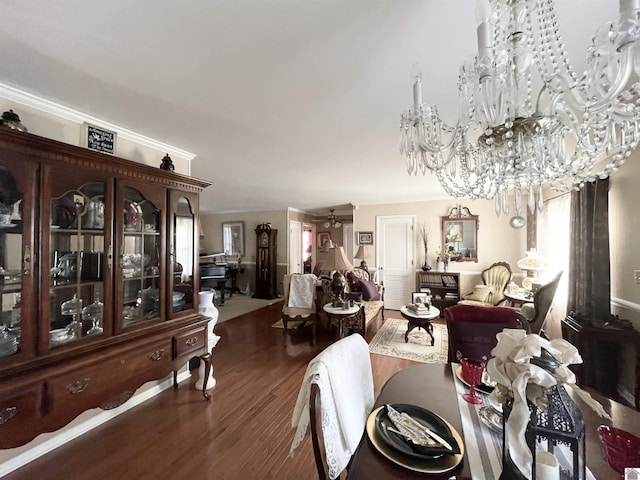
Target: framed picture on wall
(365, 238)
(323, 238)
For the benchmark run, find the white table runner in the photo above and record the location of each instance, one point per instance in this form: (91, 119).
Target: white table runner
(483, 445)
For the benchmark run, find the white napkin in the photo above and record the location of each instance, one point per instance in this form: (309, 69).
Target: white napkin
(511, 368)
(301, 290)
(343, 373)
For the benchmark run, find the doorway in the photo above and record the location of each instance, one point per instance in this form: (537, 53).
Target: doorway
(395, 251)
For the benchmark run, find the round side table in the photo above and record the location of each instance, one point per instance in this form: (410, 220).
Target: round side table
(345, 318)
(420, 321)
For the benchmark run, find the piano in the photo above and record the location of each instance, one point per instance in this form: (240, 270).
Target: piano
(215, 271)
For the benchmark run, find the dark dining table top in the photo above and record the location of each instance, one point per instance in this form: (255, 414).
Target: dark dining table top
(432, 386)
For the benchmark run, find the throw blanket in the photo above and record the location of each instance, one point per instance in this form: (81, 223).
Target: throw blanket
(343, 373)
(301, 290)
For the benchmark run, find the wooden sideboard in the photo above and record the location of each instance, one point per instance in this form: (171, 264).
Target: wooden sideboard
(592, 340)
(90, 306)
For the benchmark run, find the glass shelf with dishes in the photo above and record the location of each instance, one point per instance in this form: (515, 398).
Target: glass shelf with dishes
(140, 261)
(76, 262)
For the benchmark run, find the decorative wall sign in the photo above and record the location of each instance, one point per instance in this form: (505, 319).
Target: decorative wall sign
(99, 139)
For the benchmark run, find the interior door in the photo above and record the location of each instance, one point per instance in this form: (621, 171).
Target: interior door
(347, 240)
(295, 247)
(395, 249)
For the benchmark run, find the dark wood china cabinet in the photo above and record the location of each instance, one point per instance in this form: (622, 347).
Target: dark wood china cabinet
(91, 307)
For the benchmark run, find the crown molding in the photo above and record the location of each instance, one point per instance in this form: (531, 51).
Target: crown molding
(47, 106)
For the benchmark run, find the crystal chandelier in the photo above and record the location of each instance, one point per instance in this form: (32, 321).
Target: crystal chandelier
(332, 221)
(526, 120)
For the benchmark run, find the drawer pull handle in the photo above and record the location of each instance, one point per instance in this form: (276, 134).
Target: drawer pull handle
(78, 387)
(7, 414)
(157, 355)
(191, 342)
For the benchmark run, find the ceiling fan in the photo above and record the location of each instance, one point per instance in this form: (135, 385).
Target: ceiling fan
(332, 220)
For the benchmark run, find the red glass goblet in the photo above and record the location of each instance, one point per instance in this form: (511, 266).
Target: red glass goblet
(472, 374)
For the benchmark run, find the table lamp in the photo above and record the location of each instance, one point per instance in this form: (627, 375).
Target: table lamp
(337, 261)
(363, 253)
(532, 264)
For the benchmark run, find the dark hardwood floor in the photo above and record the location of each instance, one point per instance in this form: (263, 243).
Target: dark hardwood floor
(244, 432)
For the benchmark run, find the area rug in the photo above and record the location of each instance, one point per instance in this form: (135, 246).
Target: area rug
(390, 341)
(239, 305)
(291, 324)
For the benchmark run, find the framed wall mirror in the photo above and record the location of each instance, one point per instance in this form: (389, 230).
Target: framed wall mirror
(233, 238)
(460, 235)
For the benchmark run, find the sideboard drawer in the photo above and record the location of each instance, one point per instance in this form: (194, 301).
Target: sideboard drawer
(193, 341)
(20, 415)
(110, 382)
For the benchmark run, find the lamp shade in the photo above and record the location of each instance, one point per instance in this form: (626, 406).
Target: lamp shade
(363, 252)
(532, 262)
(337, 260)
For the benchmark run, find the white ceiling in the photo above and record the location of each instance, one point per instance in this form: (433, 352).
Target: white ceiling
(287, 103)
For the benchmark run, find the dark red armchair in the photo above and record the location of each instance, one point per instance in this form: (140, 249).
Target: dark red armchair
(472, 329)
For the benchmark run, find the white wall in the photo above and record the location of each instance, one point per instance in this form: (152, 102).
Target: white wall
(497, 241)
(35, 114)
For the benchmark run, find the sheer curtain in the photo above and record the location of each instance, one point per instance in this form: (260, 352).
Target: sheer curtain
(184, 245)
(553, 234)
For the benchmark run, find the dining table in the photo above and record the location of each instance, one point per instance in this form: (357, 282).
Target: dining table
(433, 387)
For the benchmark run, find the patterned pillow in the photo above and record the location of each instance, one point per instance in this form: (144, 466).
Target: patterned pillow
(369, 290)
(480, 293)
(355, 283)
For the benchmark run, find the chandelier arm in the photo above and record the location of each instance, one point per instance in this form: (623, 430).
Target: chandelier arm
(440, 146)
(622, 78)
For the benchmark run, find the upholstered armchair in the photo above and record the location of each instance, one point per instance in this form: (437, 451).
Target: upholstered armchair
(472, 329)
(491, 293)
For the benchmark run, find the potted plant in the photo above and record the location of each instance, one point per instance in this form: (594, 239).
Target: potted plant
(424, 236)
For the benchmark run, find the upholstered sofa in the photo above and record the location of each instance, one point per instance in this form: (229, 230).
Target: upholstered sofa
(360, 287)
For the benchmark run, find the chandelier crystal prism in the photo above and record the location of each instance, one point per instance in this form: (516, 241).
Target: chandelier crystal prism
(526, 120)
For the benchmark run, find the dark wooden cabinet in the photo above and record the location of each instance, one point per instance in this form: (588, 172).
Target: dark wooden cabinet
(89, 309)
(444, 286)
(266, 266)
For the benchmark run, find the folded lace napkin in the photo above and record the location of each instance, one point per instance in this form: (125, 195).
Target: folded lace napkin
(518, 378)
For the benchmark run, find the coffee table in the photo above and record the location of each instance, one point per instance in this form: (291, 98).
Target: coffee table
(420, 321)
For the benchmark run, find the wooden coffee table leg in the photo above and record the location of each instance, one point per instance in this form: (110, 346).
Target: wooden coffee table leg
(429, 329)
(410, 327)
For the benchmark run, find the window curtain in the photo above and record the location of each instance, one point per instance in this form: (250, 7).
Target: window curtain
(589, 267)
(184, 245)
(553, 234)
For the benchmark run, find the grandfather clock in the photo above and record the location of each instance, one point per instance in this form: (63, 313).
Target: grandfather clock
(266, 280)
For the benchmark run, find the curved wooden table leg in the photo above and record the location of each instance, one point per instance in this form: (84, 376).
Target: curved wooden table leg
(429, 328)
(206, 358)
(410, 327)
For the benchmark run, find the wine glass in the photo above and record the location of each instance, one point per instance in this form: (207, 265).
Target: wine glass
(472, 374)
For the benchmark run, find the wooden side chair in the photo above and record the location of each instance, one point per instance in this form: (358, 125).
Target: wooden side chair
(536, 312)
(337, 391)
(300, 313)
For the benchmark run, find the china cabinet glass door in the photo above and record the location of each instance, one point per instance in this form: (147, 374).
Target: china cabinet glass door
(17, 323)
(78, 268)
(140, 266)
(183, 248)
